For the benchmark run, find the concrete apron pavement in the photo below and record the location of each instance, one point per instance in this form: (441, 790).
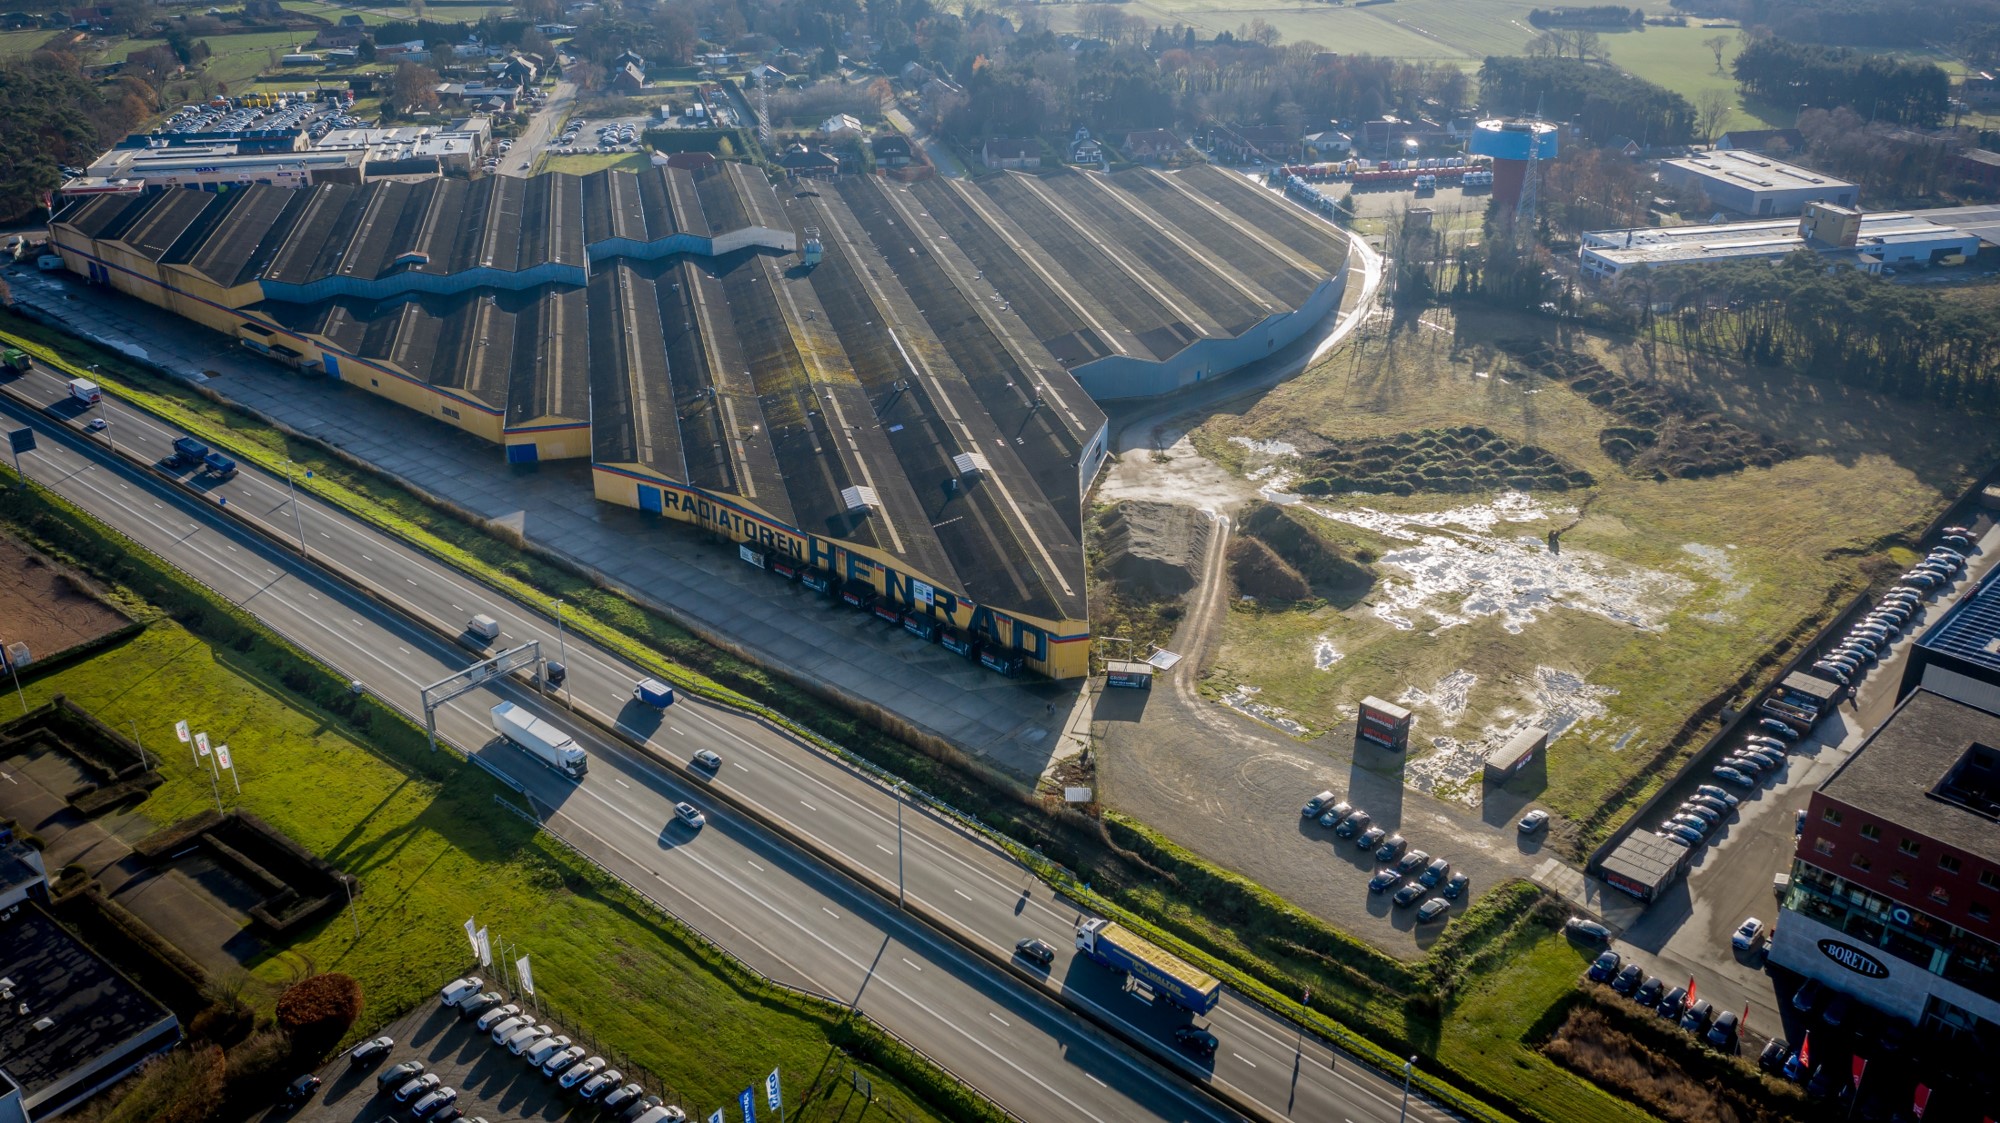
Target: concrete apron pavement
(1020, 728)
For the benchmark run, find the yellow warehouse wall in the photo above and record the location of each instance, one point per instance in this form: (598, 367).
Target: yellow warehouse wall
(1056, 648)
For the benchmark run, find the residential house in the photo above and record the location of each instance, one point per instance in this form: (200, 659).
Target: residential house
(840, 127)
(765, 72)
(522, 71)
(1084, 148)
(1979, 166)
(631, 56)
(816, 163)
(628, 79)
(1002, 152)
(1329, 145)
(1624, 146)
(891, 150)
(1275, 143)
(1779, 142)
(1152, 144)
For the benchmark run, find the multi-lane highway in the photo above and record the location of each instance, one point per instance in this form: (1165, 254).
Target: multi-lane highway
(804, 918)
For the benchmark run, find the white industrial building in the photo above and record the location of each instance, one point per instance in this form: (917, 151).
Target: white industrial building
(1748, 183)
(209, 167)
(1843, 235)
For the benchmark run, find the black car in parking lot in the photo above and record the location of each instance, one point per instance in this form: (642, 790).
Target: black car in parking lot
(1384, 881)
(1434, 873)
(1605, 966)
(1409, 895)
(1670, 1006)
(1392, 848)
(1627, 979)
(1648, 994)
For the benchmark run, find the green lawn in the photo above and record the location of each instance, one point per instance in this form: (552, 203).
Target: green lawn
(429, 855)
(1674, 57)
(14, 44)
(1484, 1032)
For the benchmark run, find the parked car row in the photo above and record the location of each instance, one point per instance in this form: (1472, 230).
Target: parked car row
(1848, 661)
(1424, 873)
(558, 1058)
(1698, 1017)
(1701, 814)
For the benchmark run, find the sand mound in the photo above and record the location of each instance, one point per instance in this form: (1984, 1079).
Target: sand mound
(1153, 551)
(1300, 550)
(1261, 573)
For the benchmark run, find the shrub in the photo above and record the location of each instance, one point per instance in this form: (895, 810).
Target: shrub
(317, 1010)
(184, 1086)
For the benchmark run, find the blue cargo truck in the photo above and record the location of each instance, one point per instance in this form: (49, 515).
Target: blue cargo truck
(1167, 975)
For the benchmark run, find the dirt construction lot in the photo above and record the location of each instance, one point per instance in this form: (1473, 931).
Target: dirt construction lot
(42, 607)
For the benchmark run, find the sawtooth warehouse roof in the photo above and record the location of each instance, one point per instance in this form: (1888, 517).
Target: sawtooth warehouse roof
(924, 363)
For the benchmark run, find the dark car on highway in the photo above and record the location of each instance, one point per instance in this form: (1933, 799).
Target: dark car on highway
(1196, 1040)
(1041, 951)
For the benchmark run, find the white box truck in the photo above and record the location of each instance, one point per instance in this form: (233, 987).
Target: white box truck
(85, 391)
(540, 740)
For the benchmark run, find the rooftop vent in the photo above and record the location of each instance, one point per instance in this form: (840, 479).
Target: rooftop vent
(859, 498)
(970, 462)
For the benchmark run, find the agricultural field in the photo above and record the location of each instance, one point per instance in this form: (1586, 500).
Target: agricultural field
(1674, 57)
(1725, 509)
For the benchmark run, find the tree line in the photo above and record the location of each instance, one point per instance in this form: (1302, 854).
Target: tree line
(1601, 15)
(1602, 101)
(1879, 87)
(51, 115)
(1840, 324)
(1875, 24)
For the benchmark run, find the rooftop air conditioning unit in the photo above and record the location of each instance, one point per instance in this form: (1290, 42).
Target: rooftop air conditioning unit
(970, 462)
(859, 498)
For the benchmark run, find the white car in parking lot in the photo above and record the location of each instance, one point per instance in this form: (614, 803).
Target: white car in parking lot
(1748, 934)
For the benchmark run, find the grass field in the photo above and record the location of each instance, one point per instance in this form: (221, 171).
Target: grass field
(1662, 596)
(1674, 57)
(431, 854)
(14, 44)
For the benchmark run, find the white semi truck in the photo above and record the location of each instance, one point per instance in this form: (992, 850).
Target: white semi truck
(540, 740)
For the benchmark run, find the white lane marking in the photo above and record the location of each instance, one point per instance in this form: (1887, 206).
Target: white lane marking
(739, 767)
(1244, 1059)
(402, 649)
(456, 608)
(883, 849)
(17, 783)
(365, 557)
(1096, 1081)
(997, 1018)
(324, 534)
(619, 782)
(961, 893)
(677, 731)
(230, 548)
(906, 959)
(357, 623)
(157, 507)
(829, 912)
(807, 806)
(408, 579)
(755, 866)
(314, 596)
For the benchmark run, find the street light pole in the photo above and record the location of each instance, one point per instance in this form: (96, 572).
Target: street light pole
(104, 415)
(298, 521)
(562, 640)
(1404, 1115)
(16, 672)
(899, 846)
(347, 883)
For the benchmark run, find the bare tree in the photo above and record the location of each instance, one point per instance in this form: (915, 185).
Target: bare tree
(1588, 44)
(1717, 44)
(1712, 110)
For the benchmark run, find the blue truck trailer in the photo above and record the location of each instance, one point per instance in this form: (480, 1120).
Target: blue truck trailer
(1170, 977)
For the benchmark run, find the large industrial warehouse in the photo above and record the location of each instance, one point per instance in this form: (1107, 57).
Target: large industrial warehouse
(892, 386)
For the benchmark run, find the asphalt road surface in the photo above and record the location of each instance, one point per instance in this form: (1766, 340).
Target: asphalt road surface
(782, 910)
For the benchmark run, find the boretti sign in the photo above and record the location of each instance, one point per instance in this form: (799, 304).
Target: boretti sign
(1854, 959)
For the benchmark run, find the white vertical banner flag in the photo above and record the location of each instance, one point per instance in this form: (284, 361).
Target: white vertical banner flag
(484, 947)
(201, 744)
(472, 935)
(181, 731)
(527, 977)
(222, 756)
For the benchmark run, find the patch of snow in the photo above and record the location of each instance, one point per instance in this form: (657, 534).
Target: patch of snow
(1242, 700)
(1268, 448)
(1448, 697)
(1324, 654)
(1715, 564)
